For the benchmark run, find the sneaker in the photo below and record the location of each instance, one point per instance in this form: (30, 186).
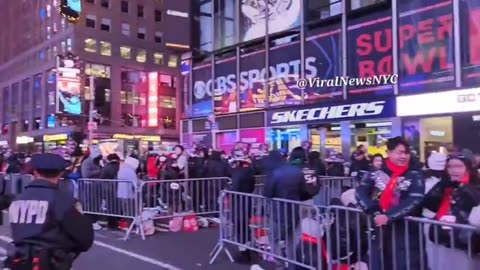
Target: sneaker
(96, 226)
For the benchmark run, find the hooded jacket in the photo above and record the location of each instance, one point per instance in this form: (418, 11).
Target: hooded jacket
(89, 169)
(127, 177)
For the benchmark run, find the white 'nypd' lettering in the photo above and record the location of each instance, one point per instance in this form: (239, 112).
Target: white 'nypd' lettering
(333, 112)
(22, 212)
(228, 83)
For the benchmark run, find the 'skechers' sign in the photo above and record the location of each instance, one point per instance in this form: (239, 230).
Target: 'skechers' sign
(333, 113)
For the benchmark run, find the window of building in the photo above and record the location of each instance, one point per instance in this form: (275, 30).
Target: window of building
(41, 55)
(158, 58)
(167, 102)
(125, 52)
(49, 32)
(105, 26)
(107, 95)
(123, 97)
(142, 56)
(63, 24)
(172, 61)
(90, 1)
(69, 44)
(141, 33)
(357, 4)
(167, 80)
(320, 9)
(55, 51)
(97, 70)
(63, 44)
(140, 11)
(49, 11)
(105, 3)
(124, 6)
(158, 15)
(90, 45)
(158, 37)
(90, 21)
(126, 29)
(105, 48)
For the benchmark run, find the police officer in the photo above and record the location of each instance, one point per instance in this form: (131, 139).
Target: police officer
(48, 231)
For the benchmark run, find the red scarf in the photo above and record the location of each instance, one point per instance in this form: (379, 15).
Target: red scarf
(387, 195)
(447, 196)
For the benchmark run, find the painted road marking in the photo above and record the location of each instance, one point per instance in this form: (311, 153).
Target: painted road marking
(119, 250)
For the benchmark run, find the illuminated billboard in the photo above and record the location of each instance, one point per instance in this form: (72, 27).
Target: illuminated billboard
(69, 94)
(281, 14)
(70, 9)
(152, 99)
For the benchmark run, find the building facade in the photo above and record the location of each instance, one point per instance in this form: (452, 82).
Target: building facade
(420, 57)
(131, 48)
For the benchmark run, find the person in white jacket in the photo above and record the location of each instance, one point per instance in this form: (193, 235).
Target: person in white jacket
(436, 167)
(127, 185)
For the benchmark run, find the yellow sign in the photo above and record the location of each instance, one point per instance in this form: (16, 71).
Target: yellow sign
(24, 140)
(56, 137)
(136, 137)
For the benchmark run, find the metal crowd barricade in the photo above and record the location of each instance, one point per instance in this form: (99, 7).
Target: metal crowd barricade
(69, 186)
(112, 198)
(446, 245)
(288, 232)
(333, 187)
(15, 183)
(180, 197)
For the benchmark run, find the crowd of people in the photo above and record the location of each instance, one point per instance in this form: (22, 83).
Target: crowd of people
(446, 188)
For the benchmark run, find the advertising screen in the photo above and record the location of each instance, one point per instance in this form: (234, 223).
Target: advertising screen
(369, 46)
(225, 93)
(284, 73)
(470, 25)
(425, 45)
(202, 103)
(69, 95)
(226, 141)
(282, 15)
(252, 81)
(323, 59)
(253, 136)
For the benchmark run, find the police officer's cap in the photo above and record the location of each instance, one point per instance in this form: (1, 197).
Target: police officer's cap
(50, 162)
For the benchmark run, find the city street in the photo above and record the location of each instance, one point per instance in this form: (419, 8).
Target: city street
(174, 251)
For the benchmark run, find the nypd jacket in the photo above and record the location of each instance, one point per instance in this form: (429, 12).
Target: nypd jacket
(46, 217)
(409, 192)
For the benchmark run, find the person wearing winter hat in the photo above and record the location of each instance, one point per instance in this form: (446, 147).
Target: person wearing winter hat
(128, 182)
(452, 199)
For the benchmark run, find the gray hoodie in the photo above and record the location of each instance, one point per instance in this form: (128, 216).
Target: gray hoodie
(127, 177)
(89, 169)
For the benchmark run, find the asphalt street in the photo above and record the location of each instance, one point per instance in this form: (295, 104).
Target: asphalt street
(163, 250)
